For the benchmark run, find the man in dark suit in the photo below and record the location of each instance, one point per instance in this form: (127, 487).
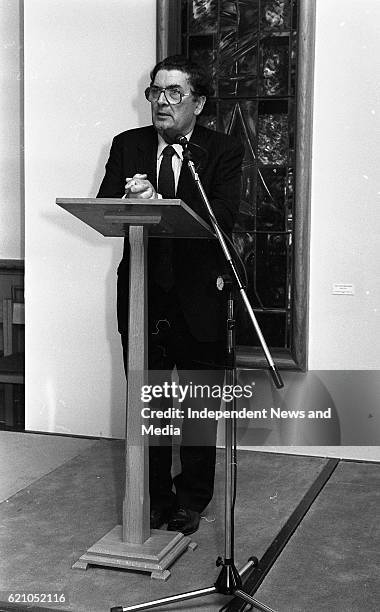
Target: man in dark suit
(186, 312)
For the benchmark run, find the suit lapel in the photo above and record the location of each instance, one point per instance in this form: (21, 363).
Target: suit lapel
(200, 161)
(147, 156)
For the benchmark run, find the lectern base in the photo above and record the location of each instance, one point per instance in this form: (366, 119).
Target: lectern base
(154, 556)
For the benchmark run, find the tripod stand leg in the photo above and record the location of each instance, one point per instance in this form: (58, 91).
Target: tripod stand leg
(166, 600)
(251, 563)
(256, 604)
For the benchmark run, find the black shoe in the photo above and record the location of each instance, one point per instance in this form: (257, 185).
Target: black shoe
(184, 520)
(158, 517)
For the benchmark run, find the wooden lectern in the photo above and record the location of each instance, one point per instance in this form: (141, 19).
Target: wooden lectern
(134, 545)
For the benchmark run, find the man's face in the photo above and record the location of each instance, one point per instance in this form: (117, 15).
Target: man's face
(175, 118)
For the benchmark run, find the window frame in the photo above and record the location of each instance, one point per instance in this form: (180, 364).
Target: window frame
(168, 43)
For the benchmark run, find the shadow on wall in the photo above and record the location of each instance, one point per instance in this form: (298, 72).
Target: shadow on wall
(141, 107)
(139, 103)
(303, 413)
(117, 426)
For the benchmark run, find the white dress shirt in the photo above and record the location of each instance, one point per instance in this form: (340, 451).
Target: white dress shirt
(177, 158)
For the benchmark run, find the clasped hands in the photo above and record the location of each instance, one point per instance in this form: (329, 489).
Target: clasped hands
(138, 186)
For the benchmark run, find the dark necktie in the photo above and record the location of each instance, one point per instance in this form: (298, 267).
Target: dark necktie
(166, 185)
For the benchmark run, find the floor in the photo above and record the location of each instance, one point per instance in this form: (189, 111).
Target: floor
(40, 454)
(358, 453)
(330, 564)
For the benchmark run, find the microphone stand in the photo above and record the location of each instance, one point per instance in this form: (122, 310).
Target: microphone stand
(272, 366)
(230, 579)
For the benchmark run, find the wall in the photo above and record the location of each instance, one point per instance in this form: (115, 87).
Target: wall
(338, 408)
(344, 357)
(344, 330)
(345, 223)
(11, 187)
(86, 64)
(79, 64)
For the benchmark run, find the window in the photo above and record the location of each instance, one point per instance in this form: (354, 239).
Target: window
(259, 54)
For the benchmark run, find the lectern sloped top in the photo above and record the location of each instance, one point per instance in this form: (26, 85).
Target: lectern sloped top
(113, 216)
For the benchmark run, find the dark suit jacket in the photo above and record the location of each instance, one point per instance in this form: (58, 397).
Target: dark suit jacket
(197, 263)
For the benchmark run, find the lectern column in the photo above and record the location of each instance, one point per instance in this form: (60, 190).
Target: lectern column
(136, 528)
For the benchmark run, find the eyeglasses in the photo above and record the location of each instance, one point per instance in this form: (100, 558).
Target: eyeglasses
(173, 95)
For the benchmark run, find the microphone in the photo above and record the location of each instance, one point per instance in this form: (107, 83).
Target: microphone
(187, 145)
(181, 140)
(172, 138)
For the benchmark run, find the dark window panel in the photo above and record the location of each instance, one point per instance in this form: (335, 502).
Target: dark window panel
(274, 67)
(238, 119)
(201, 50)
(184, 22)
(237, 55)
(248, 17)
(228, 16)
(293, 64)
(226, 111)
(246, 55)
(271, 269)
(290, 199)
(272, 325)
(276, 15)
(272, 200)
(245, 243)
(246, 219)
(294, 16)
(227, 87)
(288, 333)
(249, 109)
(246, 86)
(247, 65)
(291, 131)
(273, 107)
(203, 16)
(273, 139)
(263, 258)
(208, 118)
(227, 52)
